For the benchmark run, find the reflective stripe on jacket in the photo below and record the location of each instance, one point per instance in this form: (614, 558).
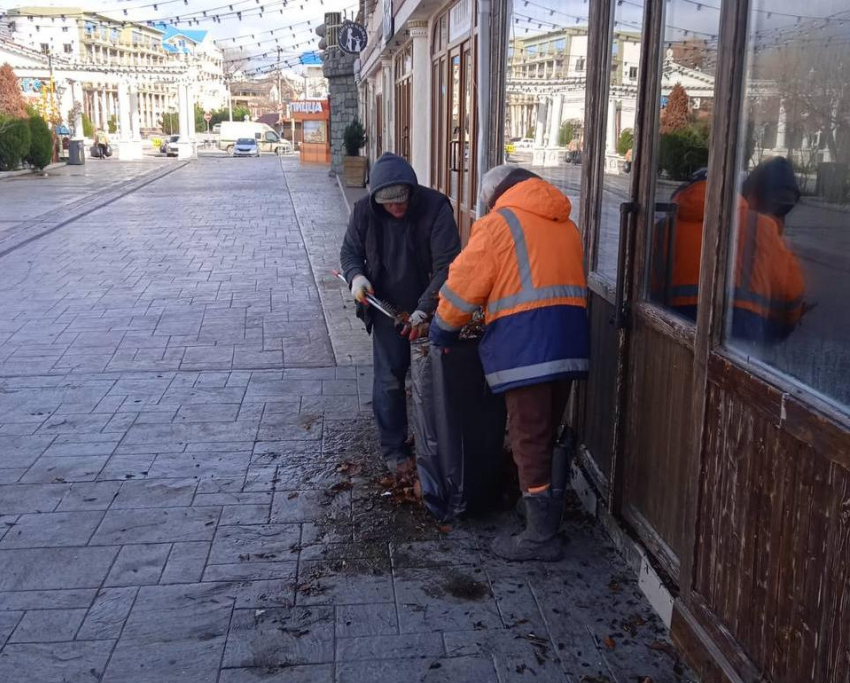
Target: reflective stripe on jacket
(523, 265)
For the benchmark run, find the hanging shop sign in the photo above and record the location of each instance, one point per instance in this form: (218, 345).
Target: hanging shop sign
(387, 24)
(352, 37)
(306, 107)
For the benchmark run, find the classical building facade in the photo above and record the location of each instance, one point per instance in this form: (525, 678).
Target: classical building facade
(84, 40)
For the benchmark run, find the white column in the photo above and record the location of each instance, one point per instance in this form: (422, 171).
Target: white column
(104, 108)
(420, 115)
(96, 119)
(190, 110)
(388, 89)
(611, 130)
(135, 119)
(124, 111)
(77, 94)
(781, 126)
(540, 127)
(149, 122)
(183, 123)
(555, 105)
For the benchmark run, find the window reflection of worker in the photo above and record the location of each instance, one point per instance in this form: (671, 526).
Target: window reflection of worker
(769, 288)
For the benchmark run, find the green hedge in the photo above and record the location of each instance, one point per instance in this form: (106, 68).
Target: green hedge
(14, 142)
(683, 152)
(41, 143)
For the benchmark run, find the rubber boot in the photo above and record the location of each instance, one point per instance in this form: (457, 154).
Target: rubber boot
(538, 541)
(560, 473)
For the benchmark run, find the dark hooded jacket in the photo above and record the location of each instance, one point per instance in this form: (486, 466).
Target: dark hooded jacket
(430, 244)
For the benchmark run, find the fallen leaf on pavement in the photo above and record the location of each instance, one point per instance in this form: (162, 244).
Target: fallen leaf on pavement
(609, 643)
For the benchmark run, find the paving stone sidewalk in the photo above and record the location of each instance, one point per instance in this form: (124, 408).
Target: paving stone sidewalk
(189, 487)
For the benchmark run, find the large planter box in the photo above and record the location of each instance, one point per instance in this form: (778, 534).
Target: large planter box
(354, 171)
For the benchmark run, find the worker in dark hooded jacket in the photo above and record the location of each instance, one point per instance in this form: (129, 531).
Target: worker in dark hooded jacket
(400, 242)
(523, 266)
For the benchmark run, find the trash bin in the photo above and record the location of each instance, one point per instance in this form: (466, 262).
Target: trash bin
(77, 153)
(462, 471)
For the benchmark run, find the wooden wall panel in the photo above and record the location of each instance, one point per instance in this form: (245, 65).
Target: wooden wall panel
(658, 444)
(773, 544)
(600, 400)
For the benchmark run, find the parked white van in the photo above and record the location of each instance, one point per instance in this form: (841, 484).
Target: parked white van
(267, 139)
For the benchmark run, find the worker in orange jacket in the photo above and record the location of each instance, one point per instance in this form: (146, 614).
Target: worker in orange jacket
(769, 288)
(523, 266)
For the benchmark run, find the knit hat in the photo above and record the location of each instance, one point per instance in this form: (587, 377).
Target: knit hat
(393, 194)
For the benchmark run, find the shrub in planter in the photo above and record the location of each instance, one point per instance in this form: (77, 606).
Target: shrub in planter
(14, 142)
(41, 143)
(354, 166)
(354, 137)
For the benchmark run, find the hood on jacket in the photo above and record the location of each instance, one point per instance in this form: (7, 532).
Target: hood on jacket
(690, 199)
(390, 169)
(771, 187)
(537, 196)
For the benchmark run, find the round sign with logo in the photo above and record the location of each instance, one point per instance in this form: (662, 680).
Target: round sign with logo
(352, 37)
(207, 116)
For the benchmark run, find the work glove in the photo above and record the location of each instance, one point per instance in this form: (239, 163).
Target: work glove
(417, 325)
(359, 286)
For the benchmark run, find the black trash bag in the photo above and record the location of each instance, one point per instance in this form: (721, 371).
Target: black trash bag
(459, 472)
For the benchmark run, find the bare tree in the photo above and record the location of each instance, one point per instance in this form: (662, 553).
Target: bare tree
(811, 73)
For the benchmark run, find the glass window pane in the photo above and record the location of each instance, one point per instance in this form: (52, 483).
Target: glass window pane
(466, 133)
(454, 149)
(622, 101)
(790, 261)
(544, 105)
(682, 130)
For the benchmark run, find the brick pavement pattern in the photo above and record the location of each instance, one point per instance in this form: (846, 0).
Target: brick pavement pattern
(187, 472)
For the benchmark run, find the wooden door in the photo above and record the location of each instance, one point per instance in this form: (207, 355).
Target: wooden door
(638, 404)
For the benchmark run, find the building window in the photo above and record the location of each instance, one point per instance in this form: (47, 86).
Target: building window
(12, 26)
(560, 45)
(789, 268)
(64, 29)
(580, 64)
(69, 48)
(633, 73)
(45, 48)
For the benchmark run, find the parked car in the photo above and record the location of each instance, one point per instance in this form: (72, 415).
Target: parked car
(267, 139)
(169, 145)
(246, 147)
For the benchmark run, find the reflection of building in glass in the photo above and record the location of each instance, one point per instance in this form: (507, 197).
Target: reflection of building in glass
(547, 82)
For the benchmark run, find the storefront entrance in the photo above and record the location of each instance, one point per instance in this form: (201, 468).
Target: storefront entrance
(454, 111)
(714, 424)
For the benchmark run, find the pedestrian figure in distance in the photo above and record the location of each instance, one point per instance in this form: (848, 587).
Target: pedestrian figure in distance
(523, 265)
(399, 244)
(102, 143)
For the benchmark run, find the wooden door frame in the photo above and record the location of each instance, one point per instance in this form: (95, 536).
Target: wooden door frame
(596, 101)
(719, 212)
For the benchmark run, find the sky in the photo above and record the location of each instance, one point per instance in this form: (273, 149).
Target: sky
(250, 36)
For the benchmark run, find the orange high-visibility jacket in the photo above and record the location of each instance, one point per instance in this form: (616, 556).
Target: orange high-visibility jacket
(523, 265)
(769, 287)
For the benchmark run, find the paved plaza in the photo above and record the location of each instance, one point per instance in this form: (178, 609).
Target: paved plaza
(190, 490)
